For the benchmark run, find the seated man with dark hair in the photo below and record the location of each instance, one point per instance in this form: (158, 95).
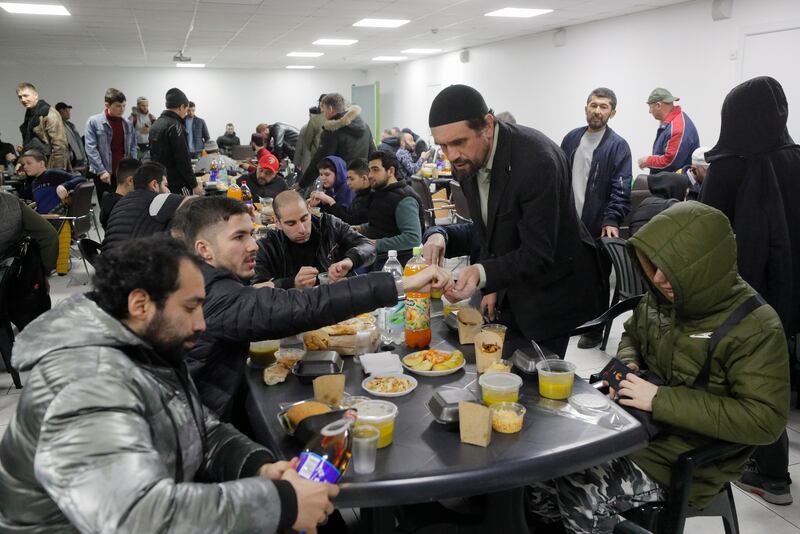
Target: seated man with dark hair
(110, 434)
(146, 210)
(266, 181)
(736, 390)
(358, 210)
(49, 187)
(396, 217)
(220, 229)
(125, 171)
(304, 246)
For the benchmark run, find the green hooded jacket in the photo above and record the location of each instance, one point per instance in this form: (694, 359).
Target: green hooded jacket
(747, 398)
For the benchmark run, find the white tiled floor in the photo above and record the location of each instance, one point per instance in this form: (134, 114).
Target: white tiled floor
(755, 515)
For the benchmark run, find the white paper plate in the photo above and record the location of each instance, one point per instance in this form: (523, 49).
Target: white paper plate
(380, 394)
(431, 372)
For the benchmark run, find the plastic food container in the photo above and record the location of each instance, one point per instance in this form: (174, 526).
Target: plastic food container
(350, 401)
(443, 405)
(289, 356)
(499, 366)
(500, 387)
(317, 363)
(498, 329)
(555, 378)
(507, 417)
(380, 414)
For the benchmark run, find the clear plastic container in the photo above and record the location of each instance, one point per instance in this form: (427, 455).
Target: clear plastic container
(507, 417)
(500, 387)
(555, 378)
(289, 356)
(381, 415)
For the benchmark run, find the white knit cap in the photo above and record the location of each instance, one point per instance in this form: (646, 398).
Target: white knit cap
(699, 156)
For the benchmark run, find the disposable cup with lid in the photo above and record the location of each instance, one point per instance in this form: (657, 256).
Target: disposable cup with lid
(500, 387)
(380, 414)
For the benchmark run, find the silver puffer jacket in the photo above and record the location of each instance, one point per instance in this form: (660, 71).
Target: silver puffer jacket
(92, 446)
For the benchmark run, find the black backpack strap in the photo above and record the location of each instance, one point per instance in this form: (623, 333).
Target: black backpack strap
(744, 309)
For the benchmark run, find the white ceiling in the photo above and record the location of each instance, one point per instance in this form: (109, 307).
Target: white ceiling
(259, 33)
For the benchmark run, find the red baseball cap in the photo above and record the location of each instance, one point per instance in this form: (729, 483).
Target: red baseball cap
(267, 161)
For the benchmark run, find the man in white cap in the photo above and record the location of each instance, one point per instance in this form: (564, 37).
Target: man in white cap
(676, 138)
(696, 172)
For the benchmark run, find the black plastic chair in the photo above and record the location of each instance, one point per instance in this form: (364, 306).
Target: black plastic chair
(669, 517)
(89, 250)
(9, 267)
(459, 201)
(628, 291)
(420, 187)
(80, 214)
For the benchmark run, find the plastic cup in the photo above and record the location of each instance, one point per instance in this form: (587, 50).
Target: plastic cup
(555, 378)
(500, 387)
(289, 356)
(381, 415)
(365, 448)
(449, 307)
(323, 279)
(498, 329)
(507, 417)
(262, 353)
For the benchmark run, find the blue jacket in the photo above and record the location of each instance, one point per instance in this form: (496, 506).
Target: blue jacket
(199, 134)
(44, 188)
(98, 143)
(676, 139)
(608, 190)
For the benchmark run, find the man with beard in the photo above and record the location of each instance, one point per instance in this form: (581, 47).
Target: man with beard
(538, 270)
(220, 230)
(601, 176)
(43, 128)
(142, 120)
(228, 140)
(110, 434)
(266, 181)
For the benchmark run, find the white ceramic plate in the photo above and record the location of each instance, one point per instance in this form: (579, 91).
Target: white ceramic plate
(398, 394)
(431, 372)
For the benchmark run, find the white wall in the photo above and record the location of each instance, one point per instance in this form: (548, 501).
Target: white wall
(679, 47)
(243, 97)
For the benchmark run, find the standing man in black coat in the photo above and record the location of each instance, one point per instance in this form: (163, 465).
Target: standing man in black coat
(538, 268)
(168, 144)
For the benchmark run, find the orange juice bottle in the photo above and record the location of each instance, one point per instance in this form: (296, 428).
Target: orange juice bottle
(418, 306)
(234, 191)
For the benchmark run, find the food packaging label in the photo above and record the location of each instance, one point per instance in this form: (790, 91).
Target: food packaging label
(329, 389)
(315, 468)
(470, 321)
(418, 313)
(475, 423)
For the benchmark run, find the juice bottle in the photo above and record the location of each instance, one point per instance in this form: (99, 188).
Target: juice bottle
(418, 306)
(326, 456)
(234, 191)
(247, 196)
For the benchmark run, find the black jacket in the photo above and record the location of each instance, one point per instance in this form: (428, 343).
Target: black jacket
(667, 188)
(358, 210)
(168, 146)
(140, 213)
(346, 136)
(270, 190)
(284, 139)
(227, 142)
(237, 314)
(536, 253)
(753, 179)
(273, 261)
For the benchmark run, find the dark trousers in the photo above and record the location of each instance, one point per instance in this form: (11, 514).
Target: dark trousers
(100, 187)
(557, 345)
(773, 460)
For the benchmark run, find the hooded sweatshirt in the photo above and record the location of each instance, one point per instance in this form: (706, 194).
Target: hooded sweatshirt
(754, 178)
(747, 397)
(340, 191)
(111, 437)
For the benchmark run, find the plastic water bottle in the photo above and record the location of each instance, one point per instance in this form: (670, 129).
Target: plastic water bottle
(393, 317)
(222, 176)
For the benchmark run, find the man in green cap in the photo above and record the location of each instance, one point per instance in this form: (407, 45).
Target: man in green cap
(676, 138)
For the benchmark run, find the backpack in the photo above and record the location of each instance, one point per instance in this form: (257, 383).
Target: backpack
(29, 294)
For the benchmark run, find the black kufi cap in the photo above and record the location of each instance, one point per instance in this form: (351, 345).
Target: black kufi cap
(176, 98)
(456, 103)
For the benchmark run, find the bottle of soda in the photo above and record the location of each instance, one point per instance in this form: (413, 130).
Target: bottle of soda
(247, 196)
(326, 456)
(234, 191)
(393, 317)
(418, 306)
(214, 169)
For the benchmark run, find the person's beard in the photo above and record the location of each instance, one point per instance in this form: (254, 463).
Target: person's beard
(462, 175)
(597, 123)
(161, 334)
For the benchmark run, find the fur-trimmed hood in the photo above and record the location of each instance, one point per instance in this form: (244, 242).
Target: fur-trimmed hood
(350, 118)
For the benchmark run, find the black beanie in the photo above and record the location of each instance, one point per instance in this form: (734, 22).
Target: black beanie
(456, 103)
(176, 98)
